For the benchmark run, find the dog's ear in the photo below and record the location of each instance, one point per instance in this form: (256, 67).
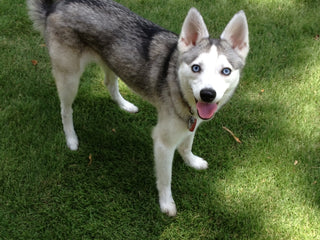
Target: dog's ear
(193, 30)
(236, 34)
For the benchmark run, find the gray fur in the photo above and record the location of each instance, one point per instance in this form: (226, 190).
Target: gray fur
(224, 48)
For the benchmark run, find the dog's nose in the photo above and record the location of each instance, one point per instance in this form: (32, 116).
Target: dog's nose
(208, 94)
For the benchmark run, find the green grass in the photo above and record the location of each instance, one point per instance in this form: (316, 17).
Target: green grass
(268, 187)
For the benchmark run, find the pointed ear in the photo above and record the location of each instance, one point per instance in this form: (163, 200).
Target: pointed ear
(193, 30)
(236, 34)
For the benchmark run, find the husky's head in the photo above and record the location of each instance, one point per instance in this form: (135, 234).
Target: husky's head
(209, 69)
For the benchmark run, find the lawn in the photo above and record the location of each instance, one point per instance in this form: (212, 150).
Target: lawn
(266, 187)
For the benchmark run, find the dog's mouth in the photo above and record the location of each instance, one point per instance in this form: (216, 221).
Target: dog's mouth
(206, 110)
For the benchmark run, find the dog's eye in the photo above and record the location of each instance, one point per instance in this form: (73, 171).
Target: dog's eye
(226, 71)
(196, 68)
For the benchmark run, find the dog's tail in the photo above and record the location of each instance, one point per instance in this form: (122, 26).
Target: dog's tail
(38, 12)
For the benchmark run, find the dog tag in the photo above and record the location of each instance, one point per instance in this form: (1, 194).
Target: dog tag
(192, 123)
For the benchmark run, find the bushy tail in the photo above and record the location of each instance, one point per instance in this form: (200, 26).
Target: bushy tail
(38, 12)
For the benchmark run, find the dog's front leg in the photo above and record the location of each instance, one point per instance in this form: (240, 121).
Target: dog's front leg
(185, 150)
(163, 153)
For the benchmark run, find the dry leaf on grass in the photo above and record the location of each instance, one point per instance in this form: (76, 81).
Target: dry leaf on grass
(90, 159)
(34, 62)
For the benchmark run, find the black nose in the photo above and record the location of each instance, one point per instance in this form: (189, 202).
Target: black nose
(208, 94)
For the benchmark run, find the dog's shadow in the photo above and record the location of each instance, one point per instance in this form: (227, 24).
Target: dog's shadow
(119, 142)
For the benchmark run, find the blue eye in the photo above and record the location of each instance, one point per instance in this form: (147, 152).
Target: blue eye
(226, 71)
(195, 68)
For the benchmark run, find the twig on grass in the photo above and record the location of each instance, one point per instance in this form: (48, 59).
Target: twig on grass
(232, 134)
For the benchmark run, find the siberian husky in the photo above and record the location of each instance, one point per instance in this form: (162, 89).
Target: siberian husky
(187, 77)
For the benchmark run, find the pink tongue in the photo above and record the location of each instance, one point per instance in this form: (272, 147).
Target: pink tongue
(206, 110)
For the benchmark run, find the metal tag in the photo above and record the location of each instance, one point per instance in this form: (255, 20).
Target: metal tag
(192, 123)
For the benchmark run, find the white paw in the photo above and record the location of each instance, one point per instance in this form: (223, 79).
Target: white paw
(73, 143)
(168, 208)
(197, 163)
(129, 107)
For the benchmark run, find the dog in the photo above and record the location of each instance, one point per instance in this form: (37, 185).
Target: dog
(187, 77)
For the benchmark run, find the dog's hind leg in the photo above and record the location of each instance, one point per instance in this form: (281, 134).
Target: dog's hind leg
(189, 158)
(67, 85)
(111, 82)
(67, 69)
